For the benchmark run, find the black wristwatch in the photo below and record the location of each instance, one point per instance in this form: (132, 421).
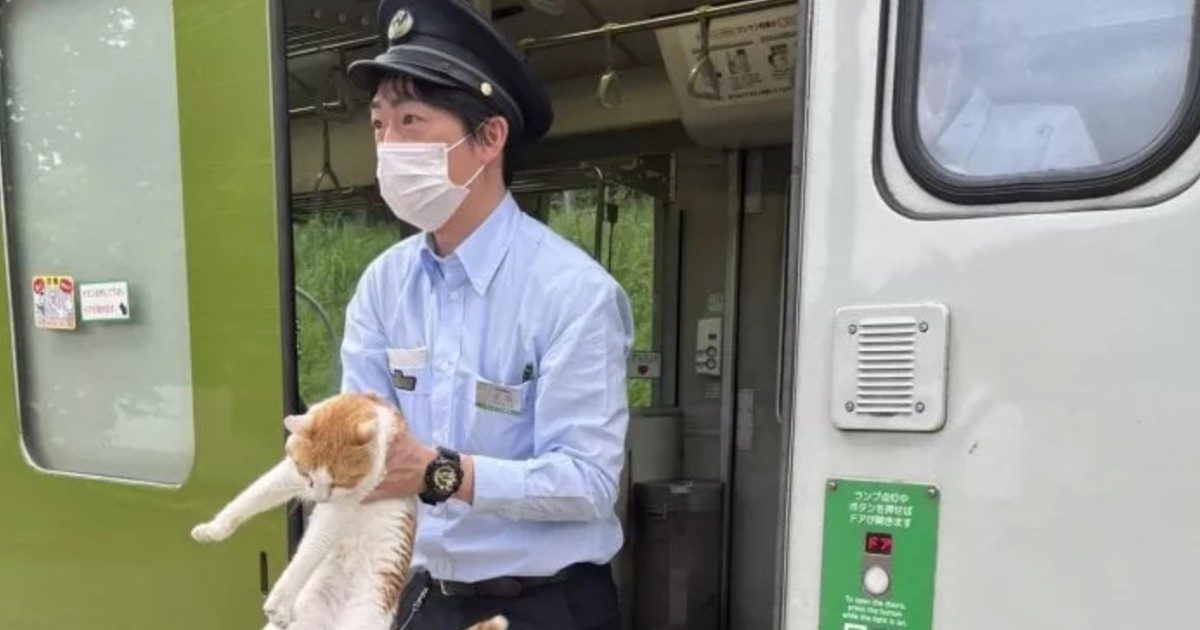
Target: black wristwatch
(443, 476)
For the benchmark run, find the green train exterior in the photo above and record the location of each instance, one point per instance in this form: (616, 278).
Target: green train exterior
(78, 552)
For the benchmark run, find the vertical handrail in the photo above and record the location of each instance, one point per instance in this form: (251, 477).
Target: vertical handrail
(334, 340)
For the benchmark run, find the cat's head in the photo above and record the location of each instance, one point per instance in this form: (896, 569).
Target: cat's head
(339, 447)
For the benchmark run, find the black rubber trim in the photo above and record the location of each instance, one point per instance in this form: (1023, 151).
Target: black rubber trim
(292, 402)
(881, 184)
(1106, 180)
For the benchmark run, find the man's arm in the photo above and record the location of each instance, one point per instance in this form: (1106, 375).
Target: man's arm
(580, 416)
(365, 369)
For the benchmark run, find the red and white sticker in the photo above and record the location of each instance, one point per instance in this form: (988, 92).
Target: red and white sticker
(54, 302)
(645, 365)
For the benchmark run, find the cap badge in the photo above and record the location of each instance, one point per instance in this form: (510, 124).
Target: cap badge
(401, 25)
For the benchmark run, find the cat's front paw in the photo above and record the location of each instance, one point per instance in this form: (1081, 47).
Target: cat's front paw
(212, 531)
(280, 609)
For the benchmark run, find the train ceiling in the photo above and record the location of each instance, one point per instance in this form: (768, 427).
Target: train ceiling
(312, 22)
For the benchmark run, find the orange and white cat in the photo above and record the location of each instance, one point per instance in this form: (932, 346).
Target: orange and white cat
(353, 560)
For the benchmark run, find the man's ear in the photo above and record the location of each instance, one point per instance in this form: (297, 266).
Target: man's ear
(493, 136)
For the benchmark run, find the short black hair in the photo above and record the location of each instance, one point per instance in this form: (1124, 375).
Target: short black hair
(470, 110)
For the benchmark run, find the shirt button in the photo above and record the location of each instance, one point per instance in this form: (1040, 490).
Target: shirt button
(447, 366)
(454, 295)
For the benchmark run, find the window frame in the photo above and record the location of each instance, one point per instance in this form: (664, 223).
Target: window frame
(16, 272)
(1074, 185)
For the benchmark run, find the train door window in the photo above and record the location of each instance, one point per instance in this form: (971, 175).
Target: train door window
(336, 234)
(624, 240)
(94, 195)
(1023, 100)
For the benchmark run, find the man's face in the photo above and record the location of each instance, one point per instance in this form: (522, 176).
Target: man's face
(397, 119)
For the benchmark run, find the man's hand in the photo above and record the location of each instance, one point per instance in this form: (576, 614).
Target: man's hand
(407, 460)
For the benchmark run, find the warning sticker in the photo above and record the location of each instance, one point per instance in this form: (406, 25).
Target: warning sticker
(645, 365)
(104, 301)
(753, 57)
(54, 302)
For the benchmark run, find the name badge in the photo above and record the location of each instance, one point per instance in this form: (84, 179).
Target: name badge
(498, 398)
(402, 362)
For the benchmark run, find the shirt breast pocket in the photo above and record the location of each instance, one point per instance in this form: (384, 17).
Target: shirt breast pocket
(511, 401)
(410, 381)
(501, 416)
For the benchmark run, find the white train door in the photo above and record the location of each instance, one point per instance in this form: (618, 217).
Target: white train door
(996, 405)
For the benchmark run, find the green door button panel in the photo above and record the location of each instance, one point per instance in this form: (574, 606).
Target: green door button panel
(879, 550)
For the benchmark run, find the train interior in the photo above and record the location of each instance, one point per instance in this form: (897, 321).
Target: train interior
(670, 161)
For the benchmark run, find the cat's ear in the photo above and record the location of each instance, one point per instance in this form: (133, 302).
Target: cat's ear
(365, 431)
(295, 424)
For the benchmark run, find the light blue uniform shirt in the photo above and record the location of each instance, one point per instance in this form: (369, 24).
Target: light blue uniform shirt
(987, 138)
(549, 449)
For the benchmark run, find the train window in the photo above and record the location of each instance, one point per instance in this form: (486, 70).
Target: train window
(93, 194)
(1028, 100)
(627, 246)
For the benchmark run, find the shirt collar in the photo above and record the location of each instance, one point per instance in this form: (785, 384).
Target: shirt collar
(483, 250)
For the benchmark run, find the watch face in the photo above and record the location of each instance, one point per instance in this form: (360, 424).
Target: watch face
(444, 478)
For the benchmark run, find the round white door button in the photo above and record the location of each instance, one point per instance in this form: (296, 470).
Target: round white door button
(876, 580)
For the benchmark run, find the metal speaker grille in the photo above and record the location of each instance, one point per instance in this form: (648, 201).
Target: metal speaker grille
(888, 371)
(886, 365)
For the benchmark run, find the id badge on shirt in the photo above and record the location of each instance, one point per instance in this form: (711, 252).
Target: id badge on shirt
(403, 364)
(498, 398)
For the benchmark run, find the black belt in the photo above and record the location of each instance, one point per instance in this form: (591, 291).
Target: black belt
(495, 587)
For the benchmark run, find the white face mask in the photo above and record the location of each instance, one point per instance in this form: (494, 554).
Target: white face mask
(414, 180)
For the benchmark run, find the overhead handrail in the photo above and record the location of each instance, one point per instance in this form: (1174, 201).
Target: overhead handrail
(532, 44)
(348, 44)
(337, 84)
(609, 81)
(326, 159)
(705, 64)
